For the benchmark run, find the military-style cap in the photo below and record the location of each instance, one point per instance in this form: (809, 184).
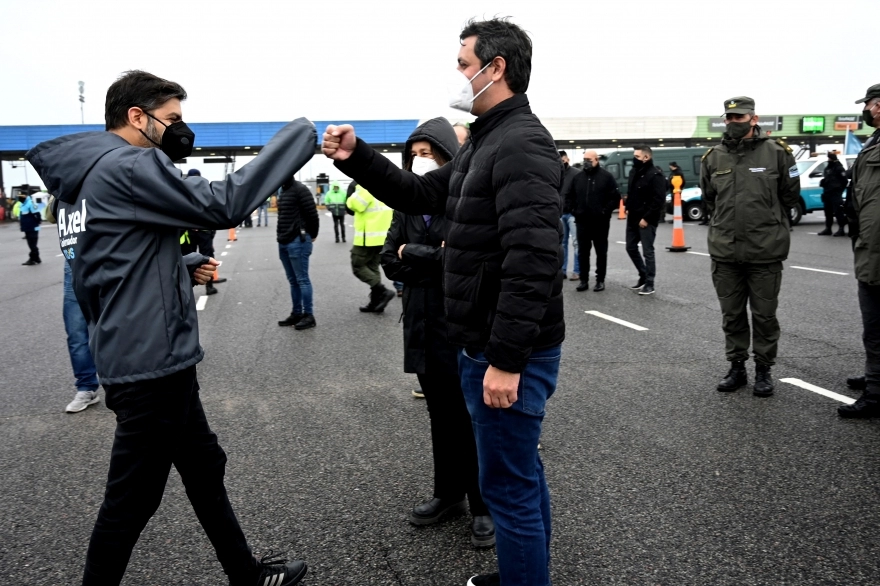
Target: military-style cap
(873, 92)
(739, 105)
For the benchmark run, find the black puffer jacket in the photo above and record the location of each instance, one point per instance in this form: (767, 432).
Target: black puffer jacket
(296, 212)
(593, 193)
(646, 195)
(421, 268)
(503, 259)
(833, 179)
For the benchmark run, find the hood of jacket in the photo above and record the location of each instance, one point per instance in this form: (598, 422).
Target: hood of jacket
(438, 132)
(64, 162)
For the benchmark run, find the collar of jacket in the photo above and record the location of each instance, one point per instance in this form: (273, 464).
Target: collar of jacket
(518, 104)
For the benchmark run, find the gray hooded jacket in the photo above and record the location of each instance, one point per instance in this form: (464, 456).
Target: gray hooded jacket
(120, 213)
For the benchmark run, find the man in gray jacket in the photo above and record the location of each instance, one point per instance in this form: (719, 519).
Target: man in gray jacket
(122, 206)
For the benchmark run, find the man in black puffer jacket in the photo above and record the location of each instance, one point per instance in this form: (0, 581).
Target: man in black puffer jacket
(296, 232)
(503, 278)
(645, 199)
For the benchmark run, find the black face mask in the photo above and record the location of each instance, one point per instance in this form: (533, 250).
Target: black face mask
(868, 117)
(639, 165)
(739, 130)
(177, 142)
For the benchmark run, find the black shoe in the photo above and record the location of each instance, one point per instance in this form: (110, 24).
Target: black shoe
(30, 262)
(839, 233)
(210, 289)
(825, 232)
(277, 571)
(218, 281)
(865, 407)
(384, 300)
(639, 285)
(291, 320)
(647, 290)
(583, 286)
(432, 511)
(600, 286)
(337, 240)
(735, 378)
(307, 321)
(764, 384)
(485, 580)
(857, 383)
(483, 531)
(37, 260)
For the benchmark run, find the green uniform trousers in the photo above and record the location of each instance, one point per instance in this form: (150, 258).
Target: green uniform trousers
(365, 264)
(758, 284)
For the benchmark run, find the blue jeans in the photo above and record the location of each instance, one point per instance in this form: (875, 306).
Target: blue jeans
(511, 473)
(634, 234)
(569, 230)
(77, 338)
(263, 212)
(295, 258)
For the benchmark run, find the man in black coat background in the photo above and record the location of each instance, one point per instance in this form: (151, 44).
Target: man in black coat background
(591, 198)
(833, 184)
(645, 199)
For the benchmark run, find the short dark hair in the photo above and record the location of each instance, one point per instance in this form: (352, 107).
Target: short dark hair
(562, 154)
(645, 149)
(500, 38)
(137, 88)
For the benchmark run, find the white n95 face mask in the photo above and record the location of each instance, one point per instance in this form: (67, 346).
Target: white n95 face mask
(462, 98)
(422, 165)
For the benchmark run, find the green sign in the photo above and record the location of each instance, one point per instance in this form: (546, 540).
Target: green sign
(813, 124)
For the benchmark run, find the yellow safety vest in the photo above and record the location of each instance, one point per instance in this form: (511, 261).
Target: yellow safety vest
(372, 218)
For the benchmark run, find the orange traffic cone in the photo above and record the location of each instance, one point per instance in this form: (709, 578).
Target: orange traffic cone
(677, 222)
(232, 237)
(621, 213)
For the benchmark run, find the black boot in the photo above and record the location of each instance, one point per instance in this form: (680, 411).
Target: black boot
(764, 384)
(307, 321)
(600, 286)
(583, 286)
(210, 289)
(840, 232)
(483, 531)
(857, 383)
(825, 232)
(735, 378)
(434, 510)
(867, 406)
(291, 320)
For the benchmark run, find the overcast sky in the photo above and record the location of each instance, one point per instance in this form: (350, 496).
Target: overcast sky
(272, 60)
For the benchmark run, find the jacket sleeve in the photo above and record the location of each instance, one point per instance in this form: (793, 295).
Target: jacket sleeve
(658, 198)
(308, 211)
(613, 197)
(708, 193)
(526, 178)
(789, 187)
(194, 260)
(161, 195)
(394, 268)
(401, 190)
(569, 198)
(359, 201)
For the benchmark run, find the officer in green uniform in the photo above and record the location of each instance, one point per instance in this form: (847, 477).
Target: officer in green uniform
(748, 183)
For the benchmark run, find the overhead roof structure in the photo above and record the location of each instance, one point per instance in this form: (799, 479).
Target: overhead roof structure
(226, 139)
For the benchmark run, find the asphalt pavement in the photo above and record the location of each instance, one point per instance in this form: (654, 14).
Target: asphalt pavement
(655, 477)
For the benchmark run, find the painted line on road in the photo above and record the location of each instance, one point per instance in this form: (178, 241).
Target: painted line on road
(699, 253)
(616, 320)
(228, 246)
(224, 253)
(57, 255)
(202, 302)
(824, 392)
(820, 271)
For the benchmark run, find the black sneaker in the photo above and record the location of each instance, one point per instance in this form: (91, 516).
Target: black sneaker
(485, 580)
(291, 320)
(735, 378)
(307, 321)
(277, 571)
(639, 285)
(865, 407)
(764, 384)
(647, 290)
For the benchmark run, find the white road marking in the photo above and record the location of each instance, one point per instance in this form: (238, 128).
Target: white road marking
(57, 255)
(820, 271)
(616, 320)
(228, 246)
(699, 253)
(831, 395)
(224, 253)
(202, 302)
(813, 233)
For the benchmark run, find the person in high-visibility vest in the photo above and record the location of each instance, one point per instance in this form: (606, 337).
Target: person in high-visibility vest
(335, 202)
(372, 218)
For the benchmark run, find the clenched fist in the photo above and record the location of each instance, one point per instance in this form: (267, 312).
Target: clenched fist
(339, 142)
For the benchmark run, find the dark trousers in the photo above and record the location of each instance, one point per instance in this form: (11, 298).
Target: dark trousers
(456, 472)
(833, 204)
(339, 227)
(869, 303)
(593, 231)
(634, 235)
(365, 264)
(758, 285)
(32, 236)
(203, 240)
(161, 422)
